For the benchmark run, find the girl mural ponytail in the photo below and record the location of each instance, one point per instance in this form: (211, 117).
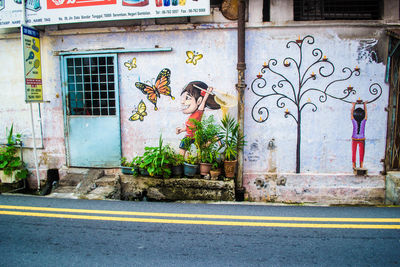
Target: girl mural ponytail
(196, 93)
(359, 115)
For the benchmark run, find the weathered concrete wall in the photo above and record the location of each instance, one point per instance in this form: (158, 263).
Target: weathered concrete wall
(176, 189)
(316, 188)
(326, 128)
(14, 110)
(393, 188)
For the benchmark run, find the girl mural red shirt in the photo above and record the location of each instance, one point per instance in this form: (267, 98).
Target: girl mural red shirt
(358, 119)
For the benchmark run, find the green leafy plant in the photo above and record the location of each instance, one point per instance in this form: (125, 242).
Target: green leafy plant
(192, 159)
(177, 159)
(232, 140)
(205, 138)
(136, 161)
(156, 159)
(210, 154)
(9, 160)
(125, 162)
(216, 165)
(133, 165)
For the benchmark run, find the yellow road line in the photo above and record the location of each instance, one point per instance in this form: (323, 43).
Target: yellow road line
(203, 216)
(199, 222)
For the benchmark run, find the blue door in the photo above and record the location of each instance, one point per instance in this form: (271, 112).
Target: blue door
(91, 105)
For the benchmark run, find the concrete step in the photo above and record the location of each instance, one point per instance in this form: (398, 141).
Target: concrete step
(78, 182)
(72, 179)
(103, 192)
(107, 180)
(77, 170)
(64, 189)
(88, 183)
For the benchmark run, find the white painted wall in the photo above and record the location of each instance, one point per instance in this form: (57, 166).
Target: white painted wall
(326, 133)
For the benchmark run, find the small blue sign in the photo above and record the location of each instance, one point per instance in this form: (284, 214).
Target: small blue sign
(30, 31)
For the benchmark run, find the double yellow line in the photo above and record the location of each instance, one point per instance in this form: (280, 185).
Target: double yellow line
(203, 219)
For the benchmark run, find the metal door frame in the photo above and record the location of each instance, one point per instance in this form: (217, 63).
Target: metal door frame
(393, 124)
(64, 88)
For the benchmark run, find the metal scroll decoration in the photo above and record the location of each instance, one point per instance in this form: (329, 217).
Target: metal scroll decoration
(298, 91)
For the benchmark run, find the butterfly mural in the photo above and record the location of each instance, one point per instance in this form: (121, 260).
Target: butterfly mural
(161, 87)
(193, 57)
(140, 112)
(130, 64)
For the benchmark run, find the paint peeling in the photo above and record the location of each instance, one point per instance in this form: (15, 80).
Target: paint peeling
(367, 51)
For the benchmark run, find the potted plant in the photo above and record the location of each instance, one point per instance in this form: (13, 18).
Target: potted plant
(177, 164)
(205, 139)
(157, 160)
(233, 142)
(209, 157)
(12, 168)
(215, 171)
(128, 167)
(190, 165)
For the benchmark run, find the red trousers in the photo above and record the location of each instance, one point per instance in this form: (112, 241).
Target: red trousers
(354, 144)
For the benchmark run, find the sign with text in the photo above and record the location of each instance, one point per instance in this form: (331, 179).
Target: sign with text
(46, 12)
(32, 65)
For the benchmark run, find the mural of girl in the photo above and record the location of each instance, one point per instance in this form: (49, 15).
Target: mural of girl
(194, 100)
(359, 119)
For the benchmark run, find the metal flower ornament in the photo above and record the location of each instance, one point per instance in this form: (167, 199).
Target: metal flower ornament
(293, 85)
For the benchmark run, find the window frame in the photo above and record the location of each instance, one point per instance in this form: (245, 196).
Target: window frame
(337, 10)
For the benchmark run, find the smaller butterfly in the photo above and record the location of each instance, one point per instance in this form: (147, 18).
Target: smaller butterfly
(140, 112)
(130, 64)
(193, 57)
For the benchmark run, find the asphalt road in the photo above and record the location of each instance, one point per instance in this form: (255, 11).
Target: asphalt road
(65, 232)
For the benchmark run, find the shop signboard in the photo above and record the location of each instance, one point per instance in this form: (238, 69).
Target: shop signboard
(47, 12)
(32, 64)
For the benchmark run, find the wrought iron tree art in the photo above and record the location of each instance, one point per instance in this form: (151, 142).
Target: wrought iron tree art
(297, 91)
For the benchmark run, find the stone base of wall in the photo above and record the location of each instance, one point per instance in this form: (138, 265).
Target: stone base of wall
(175, 189)
(333, 189)
(393, 188)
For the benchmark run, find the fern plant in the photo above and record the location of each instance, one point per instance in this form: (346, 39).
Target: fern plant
(233, 141)
(156, 159)
(9, 161)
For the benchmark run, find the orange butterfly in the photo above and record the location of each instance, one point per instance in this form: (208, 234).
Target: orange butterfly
(160, 87)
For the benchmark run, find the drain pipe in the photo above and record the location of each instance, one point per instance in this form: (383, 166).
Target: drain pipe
(240, 87)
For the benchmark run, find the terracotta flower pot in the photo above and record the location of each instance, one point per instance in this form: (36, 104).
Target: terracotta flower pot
(205, 168)
(214, 174)
(230, 168)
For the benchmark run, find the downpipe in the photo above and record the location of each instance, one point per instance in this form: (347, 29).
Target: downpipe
(240, 87)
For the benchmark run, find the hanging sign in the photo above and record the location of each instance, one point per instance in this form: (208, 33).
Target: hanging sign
(32, 64)
(46, 12)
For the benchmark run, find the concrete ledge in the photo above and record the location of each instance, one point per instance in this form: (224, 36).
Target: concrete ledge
(339, 189)
(173, 189)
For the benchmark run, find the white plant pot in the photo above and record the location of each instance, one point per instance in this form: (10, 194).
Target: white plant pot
(7, 179)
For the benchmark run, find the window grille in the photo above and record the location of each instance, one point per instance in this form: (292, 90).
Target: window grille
(91, 85)
(337, 10)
